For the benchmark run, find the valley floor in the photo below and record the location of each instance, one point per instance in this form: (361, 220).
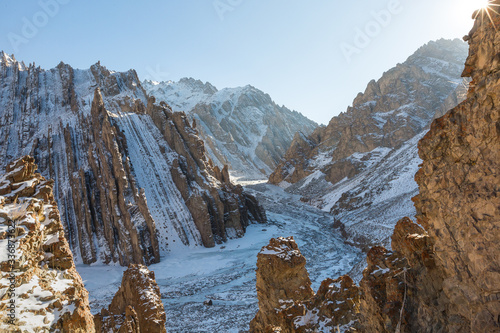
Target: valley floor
(226, 274)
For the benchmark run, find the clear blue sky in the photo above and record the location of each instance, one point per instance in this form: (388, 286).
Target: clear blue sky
(295, 50)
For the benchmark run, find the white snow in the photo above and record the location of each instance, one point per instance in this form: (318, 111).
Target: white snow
(226, 274)
(152, 172)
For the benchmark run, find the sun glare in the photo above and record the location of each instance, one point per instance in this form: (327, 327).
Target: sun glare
(482, 4)
(470, 6)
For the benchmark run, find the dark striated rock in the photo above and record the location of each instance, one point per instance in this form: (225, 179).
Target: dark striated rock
(219, 208)
(131, 177)
(109, 205)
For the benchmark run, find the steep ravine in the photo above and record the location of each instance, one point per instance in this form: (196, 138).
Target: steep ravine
(391, 111)
(442, 275)
(361, 167)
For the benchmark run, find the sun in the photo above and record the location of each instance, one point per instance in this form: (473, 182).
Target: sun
(470, 6)
(482, 4)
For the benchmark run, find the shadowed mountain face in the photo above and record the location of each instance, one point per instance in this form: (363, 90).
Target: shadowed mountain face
(361, 167)
(132, 179)
(242, 127)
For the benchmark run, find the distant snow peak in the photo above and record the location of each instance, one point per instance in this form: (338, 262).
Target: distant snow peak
(242, 126)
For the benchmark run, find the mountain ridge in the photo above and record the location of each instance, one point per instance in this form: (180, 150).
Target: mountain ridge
(363, 162)
(120, 162)
(242, 126)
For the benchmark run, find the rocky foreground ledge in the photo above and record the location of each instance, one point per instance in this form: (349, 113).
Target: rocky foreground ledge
(137, 305)
(40, 289)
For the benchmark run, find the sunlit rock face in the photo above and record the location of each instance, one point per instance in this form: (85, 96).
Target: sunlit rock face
(242, 127)
(132, 178)
(42, 291)
(282, 279)
(459, 202)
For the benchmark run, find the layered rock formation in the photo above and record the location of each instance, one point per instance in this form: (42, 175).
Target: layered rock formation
(361, 167)
(219, 209)
(132, 179)
(242, 127)
(445, 276)
(137, 305)
(40, 288)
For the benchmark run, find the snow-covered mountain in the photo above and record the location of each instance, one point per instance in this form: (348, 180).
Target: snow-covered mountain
(361, 166)
(132, 180)
(242, 127)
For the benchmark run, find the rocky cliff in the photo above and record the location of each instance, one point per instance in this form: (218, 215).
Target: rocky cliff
(459, 201)
(391, 111)
(286, 301)
(242, 127)
(132, 178)
(136, 307)
(445, 276)
(40, 289)
(361, 167)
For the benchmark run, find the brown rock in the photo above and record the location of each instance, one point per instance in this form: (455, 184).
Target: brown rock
(459, 201)
(392, 110)
(80, 142)
(446, 278)
(137, 305)
(42, 260)
(220, 209)
(282, 279)
(335, 305)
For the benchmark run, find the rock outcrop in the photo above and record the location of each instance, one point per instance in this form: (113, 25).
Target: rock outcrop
(282, 279)
(459, 200)
(136, 307)
(40, 288)
(132, 178)
(242, 127)
(219, 208)
(445, 277)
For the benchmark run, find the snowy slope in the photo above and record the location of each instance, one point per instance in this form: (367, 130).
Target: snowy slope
(242, 127)
(392, 110)
(175, 225)
(360, 168)
(370, 203)
(49, 118)
(226, 274)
